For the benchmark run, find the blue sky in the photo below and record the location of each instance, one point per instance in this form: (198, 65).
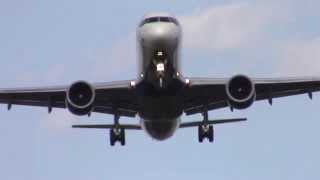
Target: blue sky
(58, 42)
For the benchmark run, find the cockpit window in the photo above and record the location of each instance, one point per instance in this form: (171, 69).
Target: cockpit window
(149, 20)
(164, 19)
(159, 19)
(175, 21)
(153, 19)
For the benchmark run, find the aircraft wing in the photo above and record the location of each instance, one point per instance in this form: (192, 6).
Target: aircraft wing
(212, 91)
(108, 95)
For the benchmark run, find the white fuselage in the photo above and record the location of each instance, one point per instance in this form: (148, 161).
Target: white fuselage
(159, 38)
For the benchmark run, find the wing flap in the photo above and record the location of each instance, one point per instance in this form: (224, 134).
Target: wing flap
(217, 121)
(108, 126)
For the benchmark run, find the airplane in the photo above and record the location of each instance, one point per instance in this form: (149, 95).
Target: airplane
(160, 94)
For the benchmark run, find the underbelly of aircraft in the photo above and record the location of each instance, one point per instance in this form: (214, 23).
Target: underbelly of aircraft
(160, 115)
(160, 130)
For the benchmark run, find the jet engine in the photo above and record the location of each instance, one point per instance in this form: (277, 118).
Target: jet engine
(241, 92)
(80, 98)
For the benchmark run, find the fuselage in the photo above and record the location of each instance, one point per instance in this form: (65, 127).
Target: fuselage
(158, 40)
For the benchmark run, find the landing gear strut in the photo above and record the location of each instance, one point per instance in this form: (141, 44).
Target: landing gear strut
(117, 133)
(205, 130)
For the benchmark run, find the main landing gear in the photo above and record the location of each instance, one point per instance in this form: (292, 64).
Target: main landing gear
(117, 133)
(205, 130)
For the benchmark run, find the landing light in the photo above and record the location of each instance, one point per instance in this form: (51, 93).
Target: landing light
(132, 83)
(159, 53)
(160, 67)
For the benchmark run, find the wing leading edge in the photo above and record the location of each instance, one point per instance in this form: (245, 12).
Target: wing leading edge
(200, 93)
(211, 94)
(109, 95)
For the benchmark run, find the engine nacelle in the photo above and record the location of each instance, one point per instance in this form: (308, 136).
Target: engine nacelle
(241, 92)
(80, 98)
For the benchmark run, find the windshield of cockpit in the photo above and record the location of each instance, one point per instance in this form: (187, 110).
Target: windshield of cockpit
(159, 19)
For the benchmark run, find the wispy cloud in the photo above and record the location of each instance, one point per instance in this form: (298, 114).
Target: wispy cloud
(223, 27)
(301, 58)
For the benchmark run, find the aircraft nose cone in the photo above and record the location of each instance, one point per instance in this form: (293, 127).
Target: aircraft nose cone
(161, 34)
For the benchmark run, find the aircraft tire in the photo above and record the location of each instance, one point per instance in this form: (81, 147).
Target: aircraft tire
(200, 134)
(211, 134)
(123, 137)
(112, 137)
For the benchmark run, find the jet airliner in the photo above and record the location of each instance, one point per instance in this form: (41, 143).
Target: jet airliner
(160, 94)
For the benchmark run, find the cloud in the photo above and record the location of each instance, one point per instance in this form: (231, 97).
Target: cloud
(118, 62)
(223, 27)
(301, 58)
